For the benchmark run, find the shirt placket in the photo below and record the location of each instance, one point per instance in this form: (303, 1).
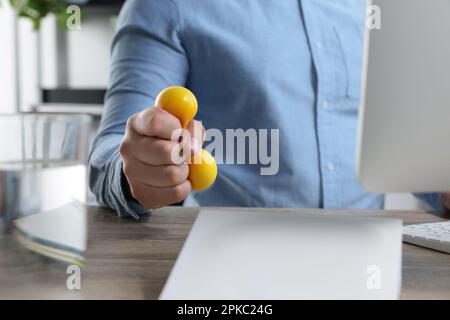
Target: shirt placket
(323, 50)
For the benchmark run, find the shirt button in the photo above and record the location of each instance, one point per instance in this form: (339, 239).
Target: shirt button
(319, 45)
(330, 166)
(325, 104)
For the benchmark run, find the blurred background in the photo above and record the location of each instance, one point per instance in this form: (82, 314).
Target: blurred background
(54, 76)
(66, 71)
(52, 69)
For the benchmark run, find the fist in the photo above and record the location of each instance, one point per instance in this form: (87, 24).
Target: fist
(155, 151)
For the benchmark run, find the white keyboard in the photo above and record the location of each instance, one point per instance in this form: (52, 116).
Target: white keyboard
(435, 235)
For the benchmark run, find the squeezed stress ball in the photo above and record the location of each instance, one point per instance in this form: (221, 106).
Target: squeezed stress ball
(182, 103)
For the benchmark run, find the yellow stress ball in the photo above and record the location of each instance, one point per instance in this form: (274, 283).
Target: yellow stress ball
(202, 170)
(179, 102)
(182, 103)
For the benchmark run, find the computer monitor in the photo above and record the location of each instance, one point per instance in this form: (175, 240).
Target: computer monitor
(404, 129)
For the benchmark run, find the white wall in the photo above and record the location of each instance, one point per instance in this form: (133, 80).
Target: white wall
(88, 57)
(90, 68)
(88, 52)
(7, 61)
(28, 59)
(26, 37)
(48, 52)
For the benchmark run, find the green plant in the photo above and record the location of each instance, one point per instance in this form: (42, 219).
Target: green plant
(36, 10)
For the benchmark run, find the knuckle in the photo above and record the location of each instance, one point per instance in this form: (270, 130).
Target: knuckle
(154, 120)
(130, 122)
(126, 168)
(173, 174)
(135, 191)
(184, 171)
(168, 148)
(169, 153)
(123, 148)
(180, 192)
(150, 112)
(177, 133)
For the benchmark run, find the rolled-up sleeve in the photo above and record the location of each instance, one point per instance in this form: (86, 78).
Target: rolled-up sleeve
(147, 56)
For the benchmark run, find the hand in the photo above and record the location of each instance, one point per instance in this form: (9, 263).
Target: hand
(445, 197)
(154, 151)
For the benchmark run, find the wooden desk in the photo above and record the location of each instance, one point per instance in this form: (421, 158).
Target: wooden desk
(132, 260)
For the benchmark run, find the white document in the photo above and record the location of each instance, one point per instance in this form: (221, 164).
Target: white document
(264, 255)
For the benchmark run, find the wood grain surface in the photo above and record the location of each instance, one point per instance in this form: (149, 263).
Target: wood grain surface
(129, 259)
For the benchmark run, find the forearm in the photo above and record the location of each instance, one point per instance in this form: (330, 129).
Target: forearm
(147, 56)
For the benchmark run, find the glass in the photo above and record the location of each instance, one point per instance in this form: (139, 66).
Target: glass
(43, 189)
(42, 162)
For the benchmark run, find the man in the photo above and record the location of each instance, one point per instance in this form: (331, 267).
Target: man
(290, 65)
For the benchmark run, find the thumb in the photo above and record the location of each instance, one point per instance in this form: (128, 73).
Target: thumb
(197, 132)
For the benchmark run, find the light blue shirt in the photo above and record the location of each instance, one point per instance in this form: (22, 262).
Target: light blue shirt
(290, 65)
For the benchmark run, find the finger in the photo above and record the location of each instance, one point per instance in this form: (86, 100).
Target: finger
(158, 176)
(154, 151)
(155, 122)
(154, 197)
(197, 132)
